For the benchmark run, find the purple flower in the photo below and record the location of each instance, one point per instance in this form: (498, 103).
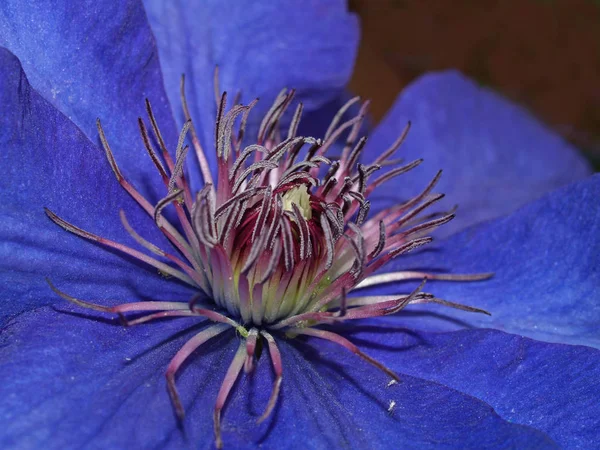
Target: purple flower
(526, 377)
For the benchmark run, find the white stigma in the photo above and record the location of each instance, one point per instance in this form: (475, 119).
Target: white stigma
(298, 196)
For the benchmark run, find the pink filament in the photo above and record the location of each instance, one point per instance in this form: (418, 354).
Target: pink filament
(278, 369)
(336, 338)
(182, 355)
(232, 373)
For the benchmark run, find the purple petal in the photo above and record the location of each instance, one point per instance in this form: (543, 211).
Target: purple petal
(546, 259)
(69, 381)
(554, 388)
(48, 162)
(260, 49)
(93, 60)
(495, 156)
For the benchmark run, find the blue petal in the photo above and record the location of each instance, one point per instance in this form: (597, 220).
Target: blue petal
(260, 49)
(48, 162)
(69, 381)
(93, 60)
(554, 388)
(496, 157)
(546, 259)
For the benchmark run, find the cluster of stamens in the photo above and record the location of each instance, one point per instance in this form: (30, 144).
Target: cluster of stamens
(279, 240)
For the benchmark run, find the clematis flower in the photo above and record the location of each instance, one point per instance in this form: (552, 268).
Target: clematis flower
(526, 377)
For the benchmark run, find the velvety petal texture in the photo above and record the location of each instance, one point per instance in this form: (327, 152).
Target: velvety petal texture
(309, 46)
(94, 60)
(551, 387)
(546, 260)
(48, 162)
(74, 381)
(495, 156)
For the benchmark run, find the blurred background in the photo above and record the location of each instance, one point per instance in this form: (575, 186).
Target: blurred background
(543, 54)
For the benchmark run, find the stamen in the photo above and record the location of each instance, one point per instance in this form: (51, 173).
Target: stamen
(273, 261)
(173, 235)
(255, 250)
(151, 153)
(336, 220)
(232, 373)
(368, 307)
(181, 153)
(393, 212)
(277, 114)
(358, 245)
(288, 245)
(278, 369)
(181, 356)
(419, 229)
(236, 199)
(160, 315)
(250, 349)
(202, 161)
(364, 172)
(328, 236)
(395, 146)
(343, 303)
(220, 112)
(380, 243)
(243, 157)
(356, 152)
(164, 202)
(410, 246)
(276, 219)
(402, 249)
(305, 243)
(295, 121)
(243, 123)
(295, 179)
(403, 276)
(391, 174)
(225, 132)
(194, 274)
(256, 167)
(216, 85)
(339, 115)
(182, 183)
(415, 212)
(336, 338)
(264, 210)
(337, 133)
(229, 221)
(452, 305)
(157, 133)
(138, 255)
(351, 139)
(277, 104)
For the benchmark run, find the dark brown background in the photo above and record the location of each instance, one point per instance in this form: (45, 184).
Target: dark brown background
(544, 54)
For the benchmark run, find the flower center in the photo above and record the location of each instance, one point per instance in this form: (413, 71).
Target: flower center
(272, 245)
